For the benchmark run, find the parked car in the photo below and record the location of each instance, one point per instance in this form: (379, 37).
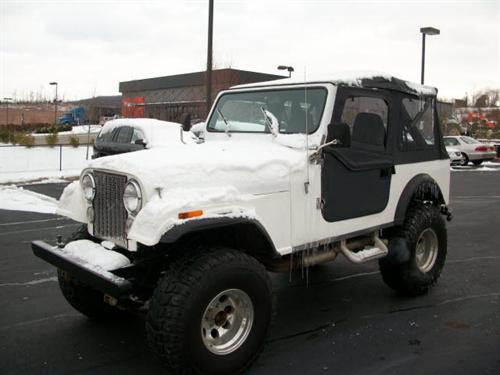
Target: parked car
(278, 184)
(472, 150)
(456, 157)
(134, 134)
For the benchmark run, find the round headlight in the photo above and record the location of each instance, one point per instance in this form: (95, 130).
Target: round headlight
(132, 197)
(88, 186)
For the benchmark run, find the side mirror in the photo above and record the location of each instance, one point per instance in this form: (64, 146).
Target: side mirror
(186, 122)
(140, 142)
(340, 133)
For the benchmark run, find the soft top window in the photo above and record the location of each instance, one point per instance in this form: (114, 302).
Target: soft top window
(294, 110)
(418, 123)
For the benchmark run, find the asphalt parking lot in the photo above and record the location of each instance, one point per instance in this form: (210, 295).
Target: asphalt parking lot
(343, 321)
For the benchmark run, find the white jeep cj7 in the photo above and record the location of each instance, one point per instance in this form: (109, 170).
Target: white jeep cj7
(285, 175)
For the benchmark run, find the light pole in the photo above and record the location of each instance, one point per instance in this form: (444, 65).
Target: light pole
(7, 100)
(55, 102)
(289, 68)
(426, 31)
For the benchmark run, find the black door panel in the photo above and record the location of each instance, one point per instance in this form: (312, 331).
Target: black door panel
(348, 193)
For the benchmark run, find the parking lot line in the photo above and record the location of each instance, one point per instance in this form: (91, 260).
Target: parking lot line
(33, 221)
(38, 229)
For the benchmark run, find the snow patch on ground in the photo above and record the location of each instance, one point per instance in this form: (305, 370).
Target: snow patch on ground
(19, 199)
(95, 256)
(26, 177)
(28, 164)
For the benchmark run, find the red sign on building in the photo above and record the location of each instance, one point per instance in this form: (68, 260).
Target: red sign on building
(133, 106)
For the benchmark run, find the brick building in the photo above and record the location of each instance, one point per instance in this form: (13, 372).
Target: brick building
(169, 98)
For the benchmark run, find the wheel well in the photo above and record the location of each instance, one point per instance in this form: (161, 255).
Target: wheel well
(247, 236)
(420, 188)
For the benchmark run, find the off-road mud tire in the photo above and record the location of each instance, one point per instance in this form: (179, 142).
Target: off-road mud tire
(399, 269)
(173, 323)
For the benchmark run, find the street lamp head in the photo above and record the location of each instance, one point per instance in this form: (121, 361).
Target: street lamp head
(53, 83)
(284, 67)
(430, 31)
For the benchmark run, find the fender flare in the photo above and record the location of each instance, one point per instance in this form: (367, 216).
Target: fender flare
(420, 184)
(199, 225)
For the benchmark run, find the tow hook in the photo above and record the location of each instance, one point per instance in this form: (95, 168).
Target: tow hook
(59, 241)
(446, 211)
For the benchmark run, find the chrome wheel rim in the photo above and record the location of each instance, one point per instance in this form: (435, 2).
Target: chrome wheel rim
(426, 250)
(227, 321)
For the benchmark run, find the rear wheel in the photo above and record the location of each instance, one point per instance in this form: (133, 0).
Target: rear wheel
(210, 313)
(417, 252)
(477, 162)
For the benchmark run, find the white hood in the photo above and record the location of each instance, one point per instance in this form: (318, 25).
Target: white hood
(250, 167)
(204, 176)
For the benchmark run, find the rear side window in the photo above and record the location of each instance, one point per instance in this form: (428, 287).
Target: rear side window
(418, 123)
(124, 135)
(469, 140)
(451, 142)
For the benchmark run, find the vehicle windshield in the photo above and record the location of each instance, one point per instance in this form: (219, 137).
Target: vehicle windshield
(294, 110)
(469, 140)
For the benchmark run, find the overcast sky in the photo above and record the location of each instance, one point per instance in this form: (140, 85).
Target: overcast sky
(90, 46)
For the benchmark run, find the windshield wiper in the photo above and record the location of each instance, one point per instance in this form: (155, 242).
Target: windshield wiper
(267, 122)
(226, 130)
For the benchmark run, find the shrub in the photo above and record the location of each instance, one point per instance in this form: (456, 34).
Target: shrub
(26, 140)
(4, 136)
(74, 141)
(51, 139)
(13, 136)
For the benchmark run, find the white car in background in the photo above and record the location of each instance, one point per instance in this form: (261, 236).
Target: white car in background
(456, 157)
(471, 149)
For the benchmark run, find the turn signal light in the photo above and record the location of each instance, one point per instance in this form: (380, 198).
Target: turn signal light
(190, 214)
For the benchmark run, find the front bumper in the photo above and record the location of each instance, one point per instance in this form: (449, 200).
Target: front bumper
(103, 281)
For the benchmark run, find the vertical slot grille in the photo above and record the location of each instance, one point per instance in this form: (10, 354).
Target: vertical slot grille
(110, 214)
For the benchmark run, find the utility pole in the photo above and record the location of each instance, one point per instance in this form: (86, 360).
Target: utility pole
(55, 102)
(209, 53)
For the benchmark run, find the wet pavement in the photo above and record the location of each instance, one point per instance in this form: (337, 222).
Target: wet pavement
(343, 321)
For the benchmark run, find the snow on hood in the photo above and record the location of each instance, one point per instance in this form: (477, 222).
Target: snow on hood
(250, 167)
(210, 176)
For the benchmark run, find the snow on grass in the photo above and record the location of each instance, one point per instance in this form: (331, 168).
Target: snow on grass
(19, 199)
(27, 164)
(38, 176)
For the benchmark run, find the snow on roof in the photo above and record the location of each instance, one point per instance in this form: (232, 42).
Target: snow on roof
(352, 78)
(156, 132)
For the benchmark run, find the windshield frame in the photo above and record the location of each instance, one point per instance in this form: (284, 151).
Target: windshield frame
(214, 108)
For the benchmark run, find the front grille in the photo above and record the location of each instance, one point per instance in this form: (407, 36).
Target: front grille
(110, 215)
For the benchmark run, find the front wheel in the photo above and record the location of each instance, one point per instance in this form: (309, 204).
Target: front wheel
(417, 251)
(465, 160)
(210, 313)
